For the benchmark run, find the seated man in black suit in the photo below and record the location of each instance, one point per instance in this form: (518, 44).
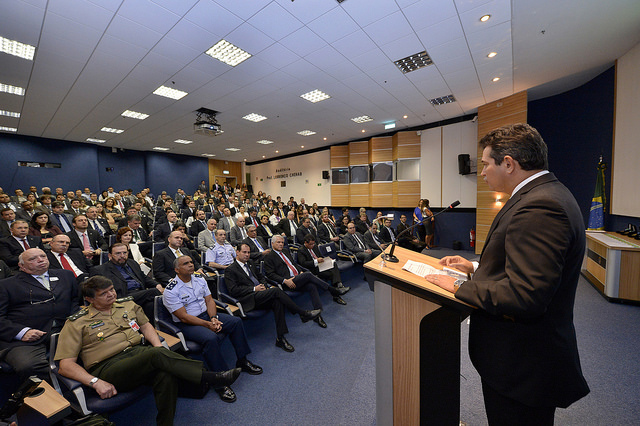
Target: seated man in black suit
(59, 218)
(408, 240)
(98, 223)
(258, 247)
(265, 230)
(199, 224)
(372, 238)
(280, 267)
(7, 216)
(309, 257)
(246, 283)
(386, 233)
(163, 270)
(326, 231)
(34, 303)
(354, 242)
(288, 226)
(130, 211)
(163, 230)
(128, 279)
(5, 271)
(87, 240)
(237, 233)
(305, 229)
(62, 257)
(11, 247)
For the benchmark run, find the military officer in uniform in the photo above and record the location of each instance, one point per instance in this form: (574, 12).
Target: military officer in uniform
(194, 311)
(106, 336)
(222, 253)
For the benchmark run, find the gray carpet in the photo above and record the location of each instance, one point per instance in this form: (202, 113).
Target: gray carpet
(330, 378)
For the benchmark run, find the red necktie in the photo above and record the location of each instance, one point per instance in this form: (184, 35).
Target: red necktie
(25, 244)
(313, 254)
(86, 245)
(65, 264)
(293, 270)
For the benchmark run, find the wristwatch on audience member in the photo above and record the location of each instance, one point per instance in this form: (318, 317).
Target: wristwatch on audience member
(93, 381)
(457, 284)
(215, 316)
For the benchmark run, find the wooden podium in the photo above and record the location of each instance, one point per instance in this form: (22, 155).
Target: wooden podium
(417, 345)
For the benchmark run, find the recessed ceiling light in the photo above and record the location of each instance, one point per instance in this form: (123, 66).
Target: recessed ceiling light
(306, 132)
(233, 149)
(8, 129)
(15, 48)
(14, 90)
(301, 146)
(208, 155)
(264, 142)
(363, 130)
(160, 148)
(442, 100)
(168, 92)
(390, 126)
(492, 54)
(254, 117)
(264, 156)
(228, 53)
(133, 114)
(405, 116)
(362, 119)
(414, 62)
(10, 114)
(485, 18)
(277, 151)
(315, 96)
(494, 79)
(324, 139)
(244, 159)
(96, 140)
(183, 141)
(110, 130)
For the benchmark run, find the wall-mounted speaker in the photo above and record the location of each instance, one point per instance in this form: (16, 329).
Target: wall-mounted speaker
(325, 174)
(464, 164)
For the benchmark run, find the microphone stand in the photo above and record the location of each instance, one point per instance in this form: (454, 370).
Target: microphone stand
(390, 257)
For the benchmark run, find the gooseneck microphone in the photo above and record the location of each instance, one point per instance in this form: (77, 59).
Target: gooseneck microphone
(390, 257)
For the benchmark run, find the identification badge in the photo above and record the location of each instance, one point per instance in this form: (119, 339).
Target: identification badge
(53, 278)
(96, 324)
(134, 325)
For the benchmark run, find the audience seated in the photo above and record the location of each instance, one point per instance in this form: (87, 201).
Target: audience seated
(61, 256)
(305, 229)
(221, 254)
(372, 238)
(288, 226)
(408, 240)
(354, 242)
(163, 230)
(327, 231)
(12, 246)
(59, 218)
(97, 222)
(7, 216)
(257, 245)
(310, 258)
(198, 224)
(89, 241)
(238, 232)
(163, 270)
(206, 238)
(42, 227)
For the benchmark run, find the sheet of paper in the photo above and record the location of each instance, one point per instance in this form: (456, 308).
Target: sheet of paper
(326, 264)
(421, 269)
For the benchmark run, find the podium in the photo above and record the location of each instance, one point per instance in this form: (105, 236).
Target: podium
(417, 326)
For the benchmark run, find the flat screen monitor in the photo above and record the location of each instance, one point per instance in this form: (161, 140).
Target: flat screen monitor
(340, 176)
(359, 174)
(382, 172)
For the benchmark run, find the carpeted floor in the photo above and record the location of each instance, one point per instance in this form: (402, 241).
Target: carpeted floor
(330, 378)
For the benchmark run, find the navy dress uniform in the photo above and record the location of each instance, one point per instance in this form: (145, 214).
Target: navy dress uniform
(191, 296)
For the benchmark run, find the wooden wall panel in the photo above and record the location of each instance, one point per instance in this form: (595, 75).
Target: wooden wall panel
(406, 145)
(380, 149)
(358, 153)
(359, 195)
(509, 110)
(381, 194)
(339, 195)
(406, 194)
(340, 156)
(216, 167)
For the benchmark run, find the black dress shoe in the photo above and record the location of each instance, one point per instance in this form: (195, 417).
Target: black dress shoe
(224, 378)
(339, 300)
(310, 315)
(281, 342)
(226, 394)
(343, 287)
(248, 367)
(321, 322)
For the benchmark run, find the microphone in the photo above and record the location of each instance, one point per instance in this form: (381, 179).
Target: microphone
(390, 257)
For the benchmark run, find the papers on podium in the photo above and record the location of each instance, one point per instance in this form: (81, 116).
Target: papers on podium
(422, 270)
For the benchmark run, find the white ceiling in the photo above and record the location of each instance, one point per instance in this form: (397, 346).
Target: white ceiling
(96, 58)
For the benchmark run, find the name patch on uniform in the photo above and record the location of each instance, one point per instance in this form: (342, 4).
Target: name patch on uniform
(53, 278)
(96, 324)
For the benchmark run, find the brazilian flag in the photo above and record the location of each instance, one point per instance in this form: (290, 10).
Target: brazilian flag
(596, 215)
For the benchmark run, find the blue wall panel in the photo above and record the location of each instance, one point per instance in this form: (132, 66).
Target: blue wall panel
(128, 169)
(168, 172)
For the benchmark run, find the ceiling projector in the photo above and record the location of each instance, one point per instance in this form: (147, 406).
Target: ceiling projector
(206, 123)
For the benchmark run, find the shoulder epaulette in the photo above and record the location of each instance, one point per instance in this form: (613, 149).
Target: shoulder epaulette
(124, 299)
(82, 312)
(172, 284)
(199, 275)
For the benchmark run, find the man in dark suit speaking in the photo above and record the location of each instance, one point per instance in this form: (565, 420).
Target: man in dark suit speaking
(34, 303)
(522, 340)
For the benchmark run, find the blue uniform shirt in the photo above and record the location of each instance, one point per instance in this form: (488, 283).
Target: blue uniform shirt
(188, 295)
(221, 254)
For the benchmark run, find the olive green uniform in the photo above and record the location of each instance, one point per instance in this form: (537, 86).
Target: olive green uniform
(110, 349)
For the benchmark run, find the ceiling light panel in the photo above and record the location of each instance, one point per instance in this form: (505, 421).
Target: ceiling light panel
(233, 149)
(228, 53)
(307, 132)
(362, 119)
(315, 96)
(10, 114)
(168, 92)
(110, 130)
(8, 129)
(264, 142)
(414, 62)
(208, 155)
(183, 141)
(254, 117)
(14, 90)
(442, 100)
(133, 114)
(96, 140)
(160, 148)
(15, 48)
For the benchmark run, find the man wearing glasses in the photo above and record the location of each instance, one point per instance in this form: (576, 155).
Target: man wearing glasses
(34, 303)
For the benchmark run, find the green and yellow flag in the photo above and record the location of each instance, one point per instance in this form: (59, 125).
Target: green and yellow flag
(596, 215)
